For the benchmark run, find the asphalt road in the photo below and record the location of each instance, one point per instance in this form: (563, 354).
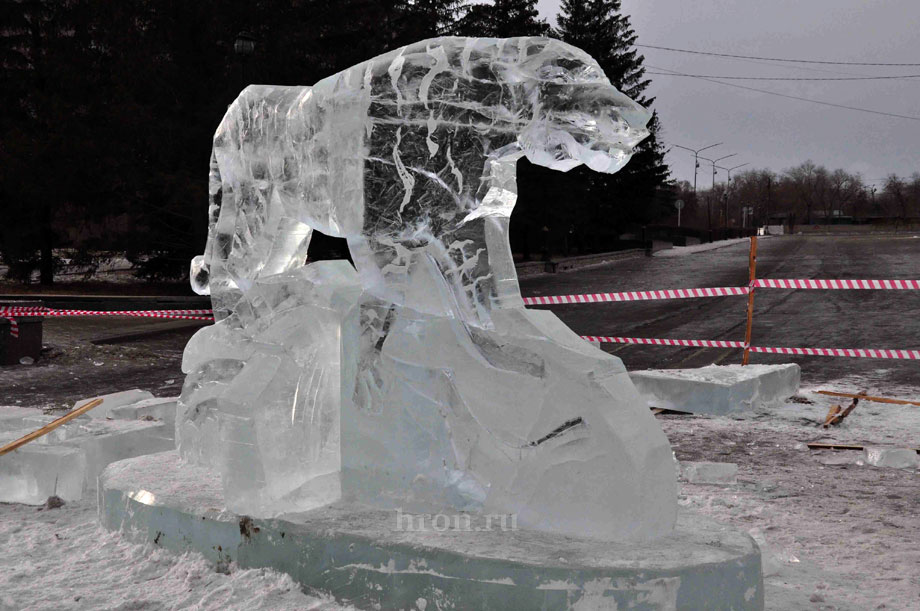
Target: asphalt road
(805, 318)
(75, 368)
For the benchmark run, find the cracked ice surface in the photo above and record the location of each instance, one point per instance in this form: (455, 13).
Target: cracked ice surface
(417, 379)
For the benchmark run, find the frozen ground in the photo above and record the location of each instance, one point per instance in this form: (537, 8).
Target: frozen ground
(72, 367)
(61, 559)
(836, 534)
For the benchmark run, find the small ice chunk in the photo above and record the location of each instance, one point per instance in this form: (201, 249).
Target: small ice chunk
(160, 408)
(106, 442)
(838, 458)
(718, 389)
(117, 399)
(35, 472)
(101, 442)
(11, 418)
(894, 458)
(710, 472)
(55, 436)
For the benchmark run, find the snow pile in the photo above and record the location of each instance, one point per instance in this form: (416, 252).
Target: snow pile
(680, 251)
(61, 559)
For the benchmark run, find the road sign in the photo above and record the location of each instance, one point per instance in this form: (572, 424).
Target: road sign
(679, 204)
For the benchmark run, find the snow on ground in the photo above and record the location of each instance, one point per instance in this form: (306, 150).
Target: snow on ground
(61, 559)
(835, 533)
(853, 529)
(681, 251)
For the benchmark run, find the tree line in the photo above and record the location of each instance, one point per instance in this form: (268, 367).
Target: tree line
(110, 106)
(806, 194)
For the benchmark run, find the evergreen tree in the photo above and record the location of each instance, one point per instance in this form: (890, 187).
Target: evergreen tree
(503, 19)
(47, 127)
(638, 193)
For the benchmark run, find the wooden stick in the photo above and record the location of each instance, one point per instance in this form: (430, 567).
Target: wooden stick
(752, 267)
(837, 414)
(839, 446)
(831, 393)
(49, 427)
(665, 410)
(832, 413)
(832, 446)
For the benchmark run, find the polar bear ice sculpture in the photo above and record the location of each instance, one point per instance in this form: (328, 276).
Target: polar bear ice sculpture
(418, 381)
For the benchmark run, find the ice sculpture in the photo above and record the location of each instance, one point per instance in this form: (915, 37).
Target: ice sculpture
(415, 380)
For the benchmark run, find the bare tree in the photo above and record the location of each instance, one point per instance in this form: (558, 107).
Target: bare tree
(896, 195)
(844, 189)
(803, 179)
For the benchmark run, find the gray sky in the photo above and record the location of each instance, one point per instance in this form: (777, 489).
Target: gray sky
(770, 131)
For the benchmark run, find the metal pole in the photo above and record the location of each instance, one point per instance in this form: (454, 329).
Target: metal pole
(696, 160)
(752, 267)
(729, 185)
(696, 166)
(708, 202)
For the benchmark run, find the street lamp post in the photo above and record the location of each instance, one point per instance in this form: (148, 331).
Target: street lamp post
(729, 185)
(709, 199)
(696, 160)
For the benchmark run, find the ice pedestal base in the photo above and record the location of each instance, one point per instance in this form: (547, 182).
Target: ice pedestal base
(366, 558)
(718, 389)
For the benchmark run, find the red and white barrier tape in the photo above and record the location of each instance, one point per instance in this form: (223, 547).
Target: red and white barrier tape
(24, 312)
(697, 343)
(851, 352)
(181, 314)
(34, 311)
(903, 285)
(704, 343)
(719, 291)
(723, 291)
(14, 326)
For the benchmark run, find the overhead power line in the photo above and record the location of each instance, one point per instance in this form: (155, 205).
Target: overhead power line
(776, 59)
(791, 78)
(791, 97)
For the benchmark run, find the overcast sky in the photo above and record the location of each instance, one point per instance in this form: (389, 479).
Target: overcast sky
(770, 131)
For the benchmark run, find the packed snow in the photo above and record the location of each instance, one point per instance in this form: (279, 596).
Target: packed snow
(61, 558)
(682, 251)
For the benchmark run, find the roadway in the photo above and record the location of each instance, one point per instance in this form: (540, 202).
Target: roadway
(805, 318)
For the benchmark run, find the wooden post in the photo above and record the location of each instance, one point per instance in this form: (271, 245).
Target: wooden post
(752, 266)
(49, 427)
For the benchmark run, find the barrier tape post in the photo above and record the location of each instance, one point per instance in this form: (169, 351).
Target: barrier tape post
(752, 266)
